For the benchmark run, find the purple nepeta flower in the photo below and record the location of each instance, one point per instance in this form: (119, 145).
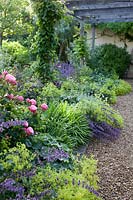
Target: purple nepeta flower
(11, 123)
(10, 185)
(102, 130)
(66, 69)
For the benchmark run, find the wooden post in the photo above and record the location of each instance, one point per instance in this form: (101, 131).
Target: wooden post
(81, 35)
(81, 29)
(93, 36)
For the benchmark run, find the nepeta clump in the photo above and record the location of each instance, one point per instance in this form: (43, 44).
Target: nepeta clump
(104, 131)
(66, 70)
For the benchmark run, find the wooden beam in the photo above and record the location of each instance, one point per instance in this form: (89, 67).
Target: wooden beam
(76, 3)
(112, 11)
(98, 11)
(98, 21)
(102, 6)
(93, 36)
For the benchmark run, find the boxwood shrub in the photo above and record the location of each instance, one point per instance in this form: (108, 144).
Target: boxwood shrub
(109, 57)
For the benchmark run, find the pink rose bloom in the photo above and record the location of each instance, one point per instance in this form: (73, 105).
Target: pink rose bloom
(25, 124)
(10, 96)
(28, 100)
(44, 106)
(10, 79)
(33, 108)
(29, 131)
(20, 98)
(33, 102)
(4, 73)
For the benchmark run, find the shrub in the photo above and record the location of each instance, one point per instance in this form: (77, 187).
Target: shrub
(17, 53)
(16, 159)
(122, 87)
(14, 114)
(109, 57)
(50, 92)
(22, 180)
(80, 183)
(99, 111)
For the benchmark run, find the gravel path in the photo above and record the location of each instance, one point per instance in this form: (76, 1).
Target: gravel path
(115, 159)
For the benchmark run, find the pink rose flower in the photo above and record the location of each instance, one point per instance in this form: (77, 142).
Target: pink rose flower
(28, 100)
(33, 108)
(10, 79)
(20, 98)
(25, 124)
(44, 106)
(29, 130)
(10, 96)
(4, 72)
(33, 102)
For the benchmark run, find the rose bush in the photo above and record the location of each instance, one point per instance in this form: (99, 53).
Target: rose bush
(18, 119)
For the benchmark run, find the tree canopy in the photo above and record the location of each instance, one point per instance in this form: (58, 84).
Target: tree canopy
(13, 14)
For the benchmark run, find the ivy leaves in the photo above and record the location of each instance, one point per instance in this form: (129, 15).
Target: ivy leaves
(49, 13)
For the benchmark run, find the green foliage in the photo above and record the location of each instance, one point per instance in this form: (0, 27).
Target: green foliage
(48, 13)
(50, 92)
(79, 52)
(122, 29)
(100, 111)
(109, 57)
(122, 87)
(16, 159)
(17, 54)
(68, 184)
(43, 143)
(65, 31)
(13, 14)
(67, 124)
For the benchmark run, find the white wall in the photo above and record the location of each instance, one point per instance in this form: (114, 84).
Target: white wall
(109, 37)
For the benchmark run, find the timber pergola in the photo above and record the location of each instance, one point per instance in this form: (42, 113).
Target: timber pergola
(101, 11)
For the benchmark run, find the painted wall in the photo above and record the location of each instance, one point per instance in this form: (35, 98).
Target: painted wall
(109, 37)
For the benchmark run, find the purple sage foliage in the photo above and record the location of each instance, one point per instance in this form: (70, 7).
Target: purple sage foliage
(102, 130)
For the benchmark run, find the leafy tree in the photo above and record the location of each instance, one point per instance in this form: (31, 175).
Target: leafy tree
(13, 14)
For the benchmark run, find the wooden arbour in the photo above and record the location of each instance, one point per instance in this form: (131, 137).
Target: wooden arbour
(101, 11)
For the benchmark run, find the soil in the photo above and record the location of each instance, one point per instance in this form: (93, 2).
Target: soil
(115, 159)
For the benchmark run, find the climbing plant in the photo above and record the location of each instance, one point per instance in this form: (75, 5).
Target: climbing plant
(48, 14)
(121, 29)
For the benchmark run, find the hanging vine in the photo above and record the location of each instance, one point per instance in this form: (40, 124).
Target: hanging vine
(49, 12)
(124, 29)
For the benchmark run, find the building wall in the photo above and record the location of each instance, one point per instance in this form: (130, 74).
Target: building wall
(109, 37)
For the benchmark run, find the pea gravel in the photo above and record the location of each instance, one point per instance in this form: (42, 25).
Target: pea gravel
(115, 159)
